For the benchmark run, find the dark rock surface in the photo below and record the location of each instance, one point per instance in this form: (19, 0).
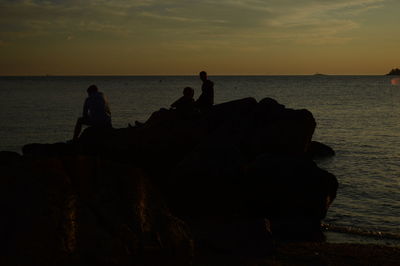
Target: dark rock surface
(394, 71)
(149, 194)
(87, 211)
(292, 192)
(317, 150)
(9, 158)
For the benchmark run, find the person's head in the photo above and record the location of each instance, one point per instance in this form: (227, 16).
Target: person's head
(188, 92)
(203, 75)
(92, 89)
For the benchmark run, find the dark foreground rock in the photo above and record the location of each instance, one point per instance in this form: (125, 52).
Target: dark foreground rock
(292, 192)
(318, 150)
(394, 71)
(233, 178)
(87, 211)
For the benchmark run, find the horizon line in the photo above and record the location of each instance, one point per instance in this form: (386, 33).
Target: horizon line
(181, 75)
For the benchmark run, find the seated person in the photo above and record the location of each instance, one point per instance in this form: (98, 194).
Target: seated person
(184, 106)
(186, 102)
(96, 112)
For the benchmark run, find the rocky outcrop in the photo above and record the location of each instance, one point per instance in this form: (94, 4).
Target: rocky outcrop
(78, 210)
(394, 71)
(279, 130)
(292, 192)
(318, 150)
(133, 195)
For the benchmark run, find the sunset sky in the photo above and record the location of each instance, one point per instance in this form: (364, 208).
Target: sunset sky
(177, 37)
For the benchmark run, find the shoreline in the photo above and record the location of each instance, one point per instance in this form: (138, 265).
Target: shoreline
(354, 239)
(335, 254)
(305, 253)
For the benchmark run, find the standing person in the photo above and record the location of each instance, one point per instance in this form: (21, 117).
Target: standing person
(206, 99)
(96, 112)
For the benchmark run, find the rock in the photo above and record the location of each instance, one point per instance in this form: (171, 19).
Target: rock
(9, 158)
(48, 150)
(207, 171)
(234, 110)
(394, 71)
(166, 138)
(214, 167)
(157, 147)
(290, 191)
(248, 237)
(9, 173)
(207, 180)
(73, 210)
(126, 196)
(318, 150)
(213, 184)
(93, 140)
(37, 214)
(279, 130)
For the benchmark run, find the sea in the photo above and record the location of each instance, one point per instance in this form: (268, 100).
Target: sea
(358, 116)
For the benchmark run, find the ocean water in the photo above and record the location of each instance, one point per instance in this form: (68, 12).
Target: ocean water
(358, 116)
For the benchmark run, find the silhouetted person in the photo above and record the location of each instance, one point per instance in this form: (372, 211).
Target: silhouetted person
(206, 99)
(96, 112)
(186, 102)
(184, 107)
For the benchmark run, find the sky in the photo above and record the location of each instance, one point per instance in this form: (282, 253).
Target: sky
(177, 37)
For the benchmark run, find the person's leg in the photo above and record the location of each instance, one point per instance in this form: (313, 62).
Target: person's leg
(78, 128)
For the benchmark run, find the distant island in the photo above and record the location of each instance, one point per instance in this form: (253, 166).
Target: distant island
(319, 74)
(394, 71)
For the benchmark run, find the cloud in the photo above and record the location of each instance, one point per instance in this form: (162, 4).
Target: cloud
(180, 18)
(314, 12)
(318, 22)
(128, 16)
(197, 20)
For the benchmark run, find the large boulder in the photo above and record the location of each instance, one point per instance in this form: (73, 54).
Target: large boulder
(291, 191)
(318, 150)
(167, 137)
(124, 218)
(9, 158)
(48, 150)
(94, 140)
(38, 213)
(279, 130)
(213, 167)
(265, 138)
(159, 144)
(227, 178)
(207, 181)
(236, 110)
(87, 211)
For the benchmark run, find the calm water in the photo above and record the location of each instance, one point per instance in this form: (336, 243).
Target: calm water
(359, 116)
